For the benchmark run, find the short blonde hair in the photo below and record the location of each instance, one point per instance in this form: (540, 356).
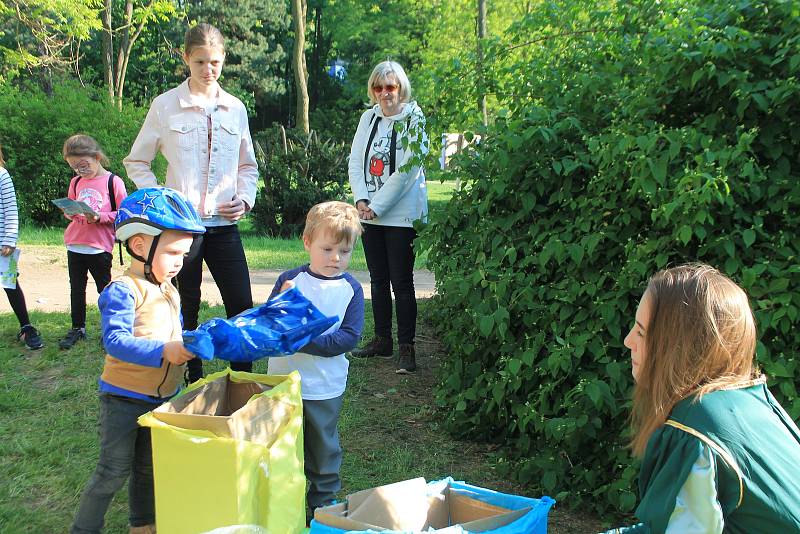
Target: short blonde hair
(202, 34)
(80, 145)
(701, 338)
(381, 72)
(337, 219)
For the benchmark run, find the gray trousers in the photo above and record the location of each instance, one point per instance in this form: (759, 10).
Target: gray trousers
(125, 454)
(323, 454)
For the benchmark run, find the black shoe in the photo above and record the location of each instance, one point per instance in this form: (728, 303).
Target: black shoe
(380, 347)
(73, 336)
(407, 362)
(31, 337)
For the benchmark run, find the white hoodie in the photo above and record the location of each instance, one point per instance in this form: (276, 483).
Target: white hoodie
(401, 197)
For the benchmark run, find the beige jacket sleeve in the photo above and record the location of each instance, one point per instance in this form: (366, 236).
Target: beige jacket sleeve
(247, 177)
(144, 150)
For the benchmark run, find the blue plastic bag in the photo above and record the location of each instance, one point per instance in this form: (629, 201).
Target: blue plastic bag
(281, 326)
(534, 522)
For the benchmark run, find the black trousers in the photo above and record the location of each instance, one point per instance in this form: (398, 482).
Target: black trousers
(389, 251)
(79, 266)
(16, 298)
(221, 248)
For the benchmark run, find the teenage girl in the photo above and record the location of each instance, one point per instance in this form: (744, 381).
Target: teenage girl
(9, 225)
(718, 451)
(203, 133)
(89, 239)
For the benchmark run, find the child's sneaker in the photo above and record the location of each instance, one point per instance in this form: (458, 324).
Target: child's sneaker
(407, 361)
(73, 336)
(31, 337)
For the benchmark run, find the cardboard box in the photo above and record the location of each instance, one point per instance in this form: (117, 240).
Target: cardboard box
(408, 506)
(229, 451)
(222, 407)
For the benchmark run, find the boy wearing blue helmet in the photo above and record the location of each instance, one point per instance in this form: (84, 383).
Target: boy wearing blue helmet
(145, 360)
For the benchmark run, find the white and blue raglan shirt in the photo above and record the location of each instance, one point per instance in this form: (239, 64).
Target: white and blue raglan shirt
(322, 363)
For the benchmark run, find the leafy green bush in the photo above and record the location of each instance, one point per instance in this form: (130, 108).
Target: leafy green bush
(667, 132)
(33, 129)
(303, 172)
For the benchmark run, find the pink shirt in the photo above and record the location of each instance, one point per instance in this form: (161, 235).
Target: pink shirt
(94, 191)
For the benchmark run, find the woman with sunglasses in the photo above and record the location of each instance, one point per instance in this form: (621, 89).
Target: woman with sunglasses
(389, 191)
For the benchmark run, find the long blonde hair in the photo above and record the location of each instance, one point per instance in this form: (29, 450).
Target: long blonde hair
(701, 337)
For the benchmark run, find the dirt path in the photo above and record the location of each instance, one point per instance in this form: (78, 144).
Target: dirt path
(46, 284)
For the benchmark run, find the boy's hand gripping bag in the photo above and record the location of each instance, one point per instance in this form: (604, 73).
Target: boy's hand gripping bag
(442, 507)
(282, 325)
(228, 450)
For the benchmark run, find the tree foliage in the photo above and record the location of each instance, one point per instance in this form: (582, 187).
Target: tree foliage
(299, 171)
(43, 33)
(34, 127)
(635, 136)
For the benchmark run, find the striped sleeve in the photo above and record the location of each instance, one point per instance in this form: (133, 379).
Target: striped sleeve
(9, 218)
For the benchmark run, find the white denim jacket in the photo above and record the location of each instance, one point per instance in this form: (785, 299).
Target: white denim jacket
(177, 126)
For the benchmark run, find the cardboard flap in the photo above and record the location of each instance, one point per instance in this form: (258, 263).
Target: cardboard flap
(222, 407)
(464, 509)
(336, 516)
(261, 420)
(398, 506)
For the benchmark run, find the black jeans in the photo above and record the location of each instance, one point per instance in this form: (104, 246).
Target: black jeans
(221, 248)
(125, 452)
(79, 265)
(16, 298)
(389, 251)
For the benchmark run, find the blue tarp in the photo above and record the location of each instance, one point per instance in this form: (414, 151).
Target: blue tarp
(534, 522)
(281, 326)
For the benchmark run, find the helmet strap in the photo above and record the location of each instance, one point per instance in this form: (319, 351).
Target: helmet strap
(148, 263)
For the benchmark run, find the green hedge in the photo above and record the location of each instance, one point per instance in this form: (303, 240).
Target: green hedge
(34, 127)
(669, 132)
(297, 175)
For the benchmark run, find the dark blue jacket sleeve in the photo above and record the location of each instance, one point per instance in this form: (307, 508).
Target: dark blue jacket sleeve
(349, 332)
(117, 312)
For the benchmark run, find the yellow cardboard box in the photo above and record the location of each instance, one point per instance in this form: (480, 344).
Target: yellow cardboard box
(229, 451)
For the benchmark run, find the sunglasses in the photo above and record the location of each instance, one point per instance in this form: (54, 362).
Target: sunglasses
(389, 88)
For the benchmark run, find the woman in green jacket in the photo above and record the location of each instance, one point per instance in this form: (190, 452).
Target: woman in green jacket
(719, 454)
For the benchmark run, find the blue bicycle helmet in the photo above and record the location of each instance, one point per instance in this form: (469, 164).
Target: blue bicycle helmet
(151, 211)
(155, 209)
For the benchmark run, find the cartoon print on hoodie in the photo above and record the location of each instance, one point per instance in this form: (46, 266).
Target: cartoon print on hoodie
(378, 163)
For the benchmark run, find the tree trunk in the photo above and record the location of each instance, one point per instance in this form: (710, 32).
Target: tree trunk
(316, 59)
(108, 50)
(481, 74)
(299, 63)
(128, 50)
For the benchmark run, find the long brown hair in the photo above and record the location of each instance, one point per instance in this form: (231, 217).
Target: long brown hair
(701, 337)
(2, 161)
(80, 145)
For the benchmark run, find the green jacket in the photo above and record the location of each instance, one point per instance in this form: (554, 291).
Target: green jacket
(729, 462)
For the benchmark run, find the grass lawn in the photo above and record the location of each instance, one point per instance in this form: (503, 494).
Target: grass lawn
(262, 252)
